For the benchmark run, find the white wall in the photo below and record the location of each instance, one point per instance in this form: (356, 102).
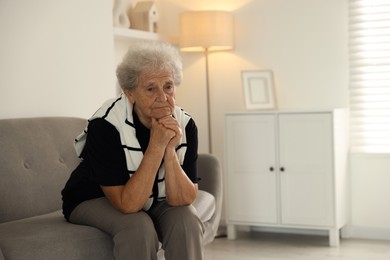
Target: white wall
(56, 57)
(370, 207)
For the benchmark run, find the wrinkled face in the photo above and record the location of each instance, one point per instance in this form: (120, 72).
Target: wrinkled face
(153, 97)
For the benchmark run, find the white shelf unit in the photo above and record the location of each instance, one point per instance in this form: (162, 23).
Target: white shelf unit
(287, 170)
(125, 34)
(128, 34)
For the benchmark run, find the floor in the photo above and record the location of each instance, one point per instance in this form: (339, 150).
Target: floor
(264, 246)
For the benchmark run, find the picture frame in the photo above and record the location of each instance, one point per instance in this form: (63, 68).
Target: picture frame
(258, 89)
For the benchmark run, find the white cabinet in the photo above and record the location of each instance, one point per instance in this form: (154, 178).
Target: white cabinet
(287, 169)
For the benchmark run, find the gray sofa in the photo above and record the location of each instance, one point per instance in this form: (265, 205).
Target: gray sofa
(36, 159)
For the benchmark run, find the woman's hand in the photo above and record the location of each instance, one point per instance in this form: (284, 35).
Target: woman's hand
(160, 135)
(171, 124)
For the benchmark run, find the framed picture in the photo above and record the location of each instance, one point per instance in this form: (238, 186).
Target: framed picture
(258, 89)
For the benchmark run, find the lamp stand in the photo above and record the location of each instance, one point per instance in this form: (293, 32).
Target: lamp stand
(208, 99)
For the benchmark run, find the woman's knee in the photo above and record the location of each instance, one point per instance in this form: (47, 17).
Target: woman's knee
(183, 219)
(136, 224)
(138, 231)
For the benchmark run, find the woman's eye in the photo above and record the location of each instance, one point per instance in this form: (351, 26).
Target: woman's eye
(169, 88)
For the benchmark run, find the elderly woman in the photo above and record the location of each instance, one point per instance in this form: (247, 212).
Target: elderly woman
(138, 174)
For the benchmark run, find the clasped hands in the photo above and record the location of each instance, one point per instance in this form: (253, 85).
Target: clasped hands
(166, 132)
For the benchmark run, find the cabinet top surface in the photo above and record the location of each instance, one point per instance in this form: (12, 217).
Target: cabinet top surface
(288, 111)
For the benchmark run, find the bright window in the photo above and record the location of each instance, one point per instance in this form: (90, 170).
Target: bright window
(369, 42)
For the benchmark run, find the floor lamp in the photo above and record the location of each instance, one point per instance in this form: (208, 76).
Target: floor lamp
(206, 31)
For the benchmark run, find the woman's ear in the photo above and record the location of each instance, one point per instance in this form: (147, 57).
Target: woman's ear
(129, 95)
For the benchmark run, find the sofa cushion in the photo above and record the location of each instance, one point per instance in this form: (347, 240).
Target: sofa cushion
(204, 205)
(50, 237)
(37, 158)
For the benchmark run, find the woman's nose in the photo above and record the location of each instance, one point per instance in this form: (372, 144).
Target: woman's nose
(161, 96)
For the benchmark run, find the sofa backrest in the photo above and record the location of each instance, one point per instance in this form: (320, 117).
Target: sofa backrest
(36, 159)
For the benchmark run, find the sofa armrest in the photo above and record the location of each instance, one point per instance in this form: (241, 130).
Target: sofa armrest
(210, 173)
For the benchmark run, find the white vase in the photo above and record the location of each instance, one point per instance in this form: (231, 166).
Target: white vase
(119, 13)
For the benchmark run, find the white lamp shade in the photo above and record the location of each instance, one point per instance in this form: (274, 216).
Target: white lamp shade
(206, 30)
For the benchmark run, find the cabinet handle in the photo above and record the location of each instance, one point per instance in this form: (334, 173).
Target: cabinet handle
(271, 169)
(282, 169)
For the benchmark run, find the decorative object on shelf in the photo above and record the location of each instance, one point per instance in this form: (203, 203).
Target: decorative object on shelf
(258, 89)
(119, 13)
(144, 16)
(206, 31)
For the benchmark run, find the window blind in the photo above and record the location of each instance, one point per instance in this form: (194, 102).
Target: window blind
(369, 52)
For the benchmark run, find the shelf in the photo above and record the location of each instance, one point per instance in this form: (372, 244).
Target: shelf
(128, 34)
(132, 34)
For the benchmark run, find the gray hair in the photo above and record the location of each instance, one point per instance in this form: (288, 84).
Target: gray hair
(149, 56)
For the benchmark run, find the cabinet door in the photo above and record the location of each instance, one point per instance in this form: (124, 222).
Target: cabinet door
(251, 178)
(305, 149)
